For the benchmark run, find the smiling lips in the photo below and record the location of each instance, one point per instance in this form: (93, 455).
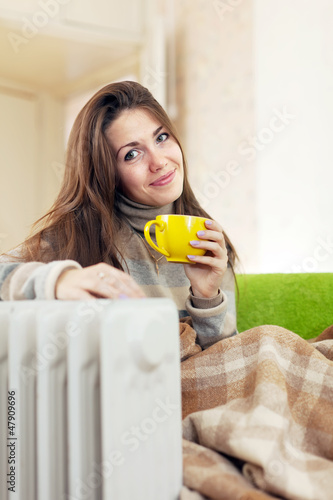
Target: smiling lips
(165, 179)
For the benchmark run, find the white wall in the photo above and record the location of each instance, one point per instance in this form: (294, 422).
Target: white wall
(293, 69)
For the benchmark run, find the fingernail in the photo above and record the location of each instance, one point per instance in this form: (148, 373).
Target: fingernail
(191, 257)
(201, 233)
(209, 222)
(195, 243)
(123, 296)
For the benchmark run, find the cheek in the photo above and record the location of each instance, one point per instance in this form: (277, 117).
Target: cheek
(178, 155)
(129, 181)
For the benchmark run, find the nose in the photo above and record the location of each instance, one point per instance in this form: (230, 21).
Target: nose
(157, 162)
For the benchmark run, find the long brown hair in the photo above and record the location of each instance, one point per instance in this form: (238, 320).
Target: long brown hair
(83, 223)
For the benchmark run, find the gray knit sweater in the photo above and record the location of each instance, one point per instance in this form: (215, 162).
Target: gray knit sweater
(213, 319)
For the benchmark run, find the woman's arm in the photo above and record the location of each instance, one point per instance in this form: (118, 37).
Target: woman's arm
(31, 280)
(214, 319)
(100, 280)
(65, 280)
(207, 273)
(212, 300)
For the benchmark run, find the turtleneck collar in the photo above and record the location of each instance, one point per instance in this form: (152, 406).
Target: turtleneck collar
(138, 214)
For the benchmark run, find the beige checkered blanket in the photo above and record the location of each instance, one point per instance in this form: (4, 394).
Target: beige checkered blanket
(258, 412)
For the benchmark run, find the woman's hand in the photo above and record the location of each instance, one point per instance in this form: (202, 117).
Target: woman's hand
(98, 281)
(206, 275)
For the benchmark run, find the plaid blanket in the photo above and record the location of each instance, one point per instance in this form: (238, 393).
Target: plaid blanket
(258, 416)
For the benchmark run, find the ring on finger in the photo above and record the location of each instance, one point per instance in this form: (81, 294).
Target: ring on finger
(108, 279)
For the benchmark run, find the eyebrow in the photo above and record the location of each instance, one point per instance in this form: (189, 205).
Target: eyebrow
(135, 143)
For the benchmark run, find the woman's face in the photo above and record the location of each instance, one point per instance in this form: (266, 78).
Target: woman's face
(149, 160)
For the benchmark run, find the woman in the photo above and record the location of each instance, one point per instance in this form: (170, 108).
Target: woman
(124, 166)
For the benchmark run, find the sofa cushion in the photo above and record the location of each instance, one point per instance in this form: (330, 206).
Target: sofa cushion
(302, 303)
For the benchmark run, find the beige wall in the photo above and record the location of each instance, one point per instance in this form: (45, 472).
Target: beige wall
(215, 89)
(254, 96)
(32, 147)
(230, 66)
(294, 77)
(19, 165)
(50, 56)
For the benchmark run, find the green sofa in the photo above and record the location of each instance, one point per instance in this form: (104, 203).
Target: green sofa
(302, 303)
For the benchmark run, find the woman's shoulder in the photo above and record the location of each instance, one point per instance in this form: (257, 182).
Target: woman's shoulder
(18, 253)
(13, 255)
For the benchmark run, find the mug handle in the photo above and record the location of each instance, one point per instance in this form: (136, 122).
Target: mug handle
(161, 225)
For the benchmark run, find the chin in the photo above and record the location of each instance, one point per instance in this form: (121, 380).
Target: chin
(166, 198)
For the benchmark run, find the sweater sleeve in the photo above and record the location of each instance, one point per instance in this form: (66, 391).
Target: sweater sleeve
(214, 319)
(31, 280)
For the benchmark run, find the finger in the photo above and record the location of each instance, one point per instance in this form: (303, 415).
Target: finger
(120, 288)
(213, 236)
(111, 284)
(76, 294)
(214, 225)
(84, 295)
(120, 279)
(130, 284)
(127, 285)
(211, 246)
(121, 292)
(208, 260)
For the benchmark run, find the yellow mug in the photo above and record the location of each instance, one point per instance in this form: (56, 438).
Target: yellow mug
(173, 235)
